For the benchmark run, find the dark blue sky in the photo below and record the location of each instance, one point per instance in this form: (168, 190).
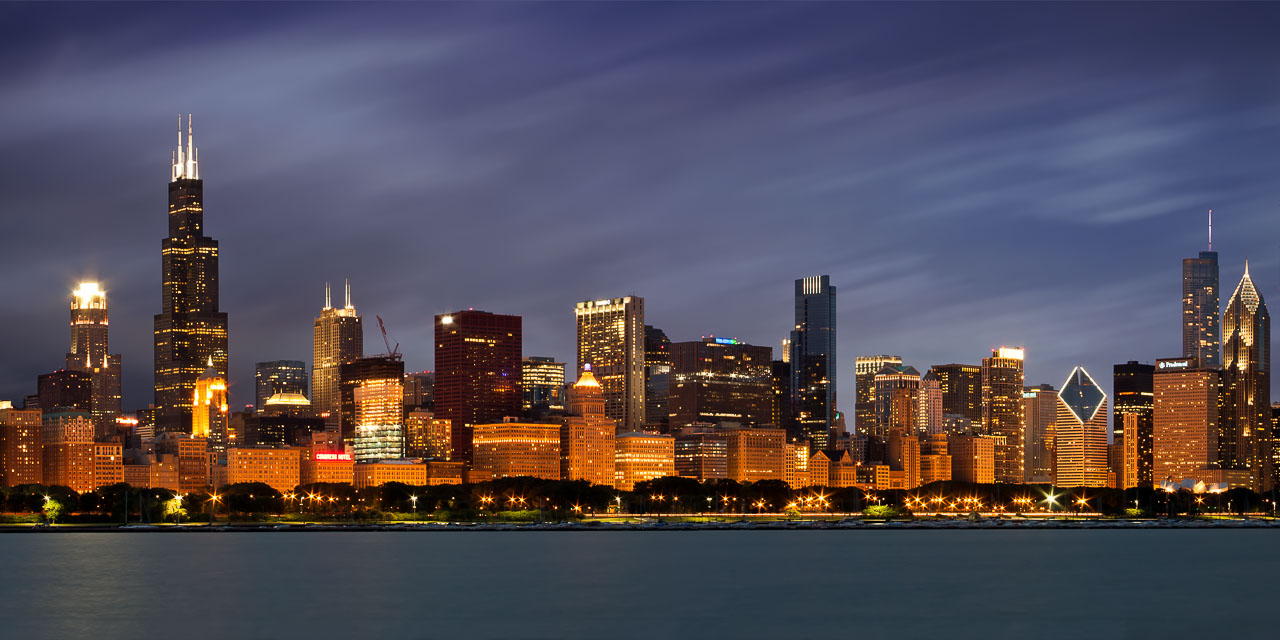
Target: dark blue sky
(970, 175)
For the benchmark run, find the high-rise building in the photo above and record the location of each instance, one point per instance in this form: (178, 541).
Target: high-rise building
(427, 437)
(780, 408)
(1039, 414)
(279, 468)
(587, 435)
(21, 454)
(813, 359)
(1184, 420)
(972, 458)
(210, 414)
(865, 369)
(420, 390)
(657, 377)
(337, 338)
(89, 354)
(1080, 433)
(278, 376)
(1245, 438)
(543, 382)
(67, 450)
(903, 455)
(1002, 409)
(478, 369)
(65, 390)
(514, 449)
(1201, 335)
(756, 453)
(373, 406)
(1134, 394)
(703, 454)
(720, 380)
(642, 456)
(189, 330)
(961, 390)
(896, 401)
(611, 340)
(929, 405)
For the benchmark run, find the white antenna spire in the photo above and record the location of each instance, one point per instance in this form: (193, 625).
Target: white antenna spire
(1211, 229)
(326, 296)
(348, 281)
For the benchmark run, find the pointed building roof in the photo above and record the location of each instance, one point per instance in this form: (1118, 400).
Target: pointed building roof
(1081, 395)
(210, 373)
(1245, 292)
(587, 380)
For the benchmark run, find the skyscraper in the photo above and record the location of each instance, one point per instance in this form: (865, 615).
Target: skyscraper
(478, 369)
(586, 435)
(1080, 440)
(1201, 335)
(1134, 393)
(88, 354)
(657, 377)
(210, 414)
(720, 380)
(961, 390)
(611, 340)
(1002, 410)
(813, 359)
(337, 338)
(542, 380)
(865, 369)
(278, 376)
(1039, 414)
(1184, 420)
(189, 330)
(1245, 436)
(896, 400)
(371, 390)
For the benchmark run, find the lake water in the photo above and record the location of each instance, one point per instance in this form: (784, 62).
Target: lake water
(691, 584)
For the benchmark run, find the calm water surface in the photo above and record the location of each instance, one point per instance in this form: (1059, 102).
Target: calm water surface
(698, 584)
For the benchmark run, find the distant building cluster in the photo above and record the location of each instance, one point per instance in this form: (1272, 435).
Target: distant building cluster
(637, 406)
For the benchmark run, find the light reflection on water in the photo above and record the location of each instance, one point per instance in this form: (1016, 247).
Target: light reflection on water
(696, 584)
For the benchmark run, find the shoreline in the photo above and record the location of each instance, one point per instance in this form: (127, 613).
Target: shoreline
(736, 525)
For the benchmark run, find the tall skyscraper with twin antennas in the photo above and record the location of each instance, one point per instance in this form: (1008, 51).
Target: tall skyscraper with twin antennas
(190, 331)
(1201, 330)
(338, 338)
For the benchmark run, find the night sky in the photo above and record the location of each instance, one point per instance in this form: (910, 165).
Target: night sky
(969, 175)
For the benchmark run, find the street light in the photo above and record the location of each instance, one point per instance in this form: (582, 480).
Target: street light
(414, 500)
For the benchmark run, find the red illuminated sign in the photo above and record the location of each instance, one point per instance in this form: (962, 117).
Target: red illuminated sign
(321, 456)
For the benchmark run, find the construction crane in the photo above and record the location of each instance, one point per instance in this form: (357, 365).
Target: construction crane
(383, 328)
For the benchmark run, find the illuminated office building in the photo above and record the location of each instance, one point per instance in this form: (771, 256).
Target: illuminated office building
(780, 409)
(1002, 382)
(935, 461)
(337, 338)
(642, 456)
(322, 465)
(611, 340)
(277, 467)
(190, 331)
(973, 458)
(278, 376)
(813, 359)
(478, 369)
(543, 382)
(192, 456)
(381, 376)
(1184, 420)
(1039, 414)
(65, 390)
(702, 454)
(961, 390)
(1245, 438)
(378, 398)
(720, 380)
(515, 449)
(427, 437)
(929, 405)
(864, 409)
(89, 354)
(587, 435)
(657, 377)
(1080, 440)
(1201, 333)
(896, 402)
(756, 453)
(375, 474)
(419, 390)
(210, 415)
(1134, 394)
(67, 450)
(21, 455)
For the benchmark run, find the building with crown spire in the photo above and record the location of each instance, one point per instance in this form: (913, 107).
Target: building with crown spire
(210, 413)
(88, 354)
(190, 331)
(1201, 331)
(587, 434)
(1080, 433)
(1245, 438)
(337, 338)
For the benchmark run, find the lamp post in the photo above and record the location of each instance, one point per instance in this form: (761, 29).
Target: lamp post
(414, 500)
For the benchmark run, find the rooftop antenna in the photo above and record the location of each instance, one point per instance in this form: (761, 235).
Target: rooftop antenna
(327, 305)
(1211, 229)
(348, 293)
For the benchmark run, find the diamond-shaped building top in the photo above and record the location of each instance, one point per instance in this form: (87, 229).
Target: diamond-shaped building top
(1082, 395)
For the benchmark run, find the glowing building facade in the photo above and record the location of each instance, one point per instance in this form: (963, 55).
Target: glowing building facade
(427, 437)
(278, 376)
(543, 382)
(512, 449)
(379, 416)
(720, 379)
(611, 340)
(337, 338)
(21, 455)
(1245, 439)
(89, 354)
(756, 453)
(1080, 441)
(1133, 393)
(587, 435)
(865, 369)
(642, 456)
(1201, 332)
(961, 390)
(210, 414)
(1184, 420)
(1039, 414)
(1002, 383)
(478, 369)
(190, 331)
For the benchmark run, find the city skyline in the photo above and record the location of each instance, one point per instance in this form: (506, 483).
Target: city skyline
(1062, 318)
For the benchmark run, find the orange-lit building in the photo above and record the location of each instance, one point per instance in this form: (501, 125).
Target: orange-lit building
(1002, 384)
(210, 415)
(317, 465)
(904, 456)
(407, 471)
(702, 453)
(1185, 420)
(191, 459)
(427, 437)
(443, 472)
(643, 456)
(876, 476)
(756, 453)
(108, 464)
(136, 475)
(279, 468)
(1080, 440)
(797, 465)
(973, 458)
(935, 461)
(67, 448)
(21, 455)
(511, 449)
(832, 469)
(587, 435)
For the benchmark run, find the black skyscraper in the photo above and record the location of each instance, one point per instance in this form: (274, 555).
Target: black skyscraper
(1134, 393)
(813, 359)
(189, 331)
